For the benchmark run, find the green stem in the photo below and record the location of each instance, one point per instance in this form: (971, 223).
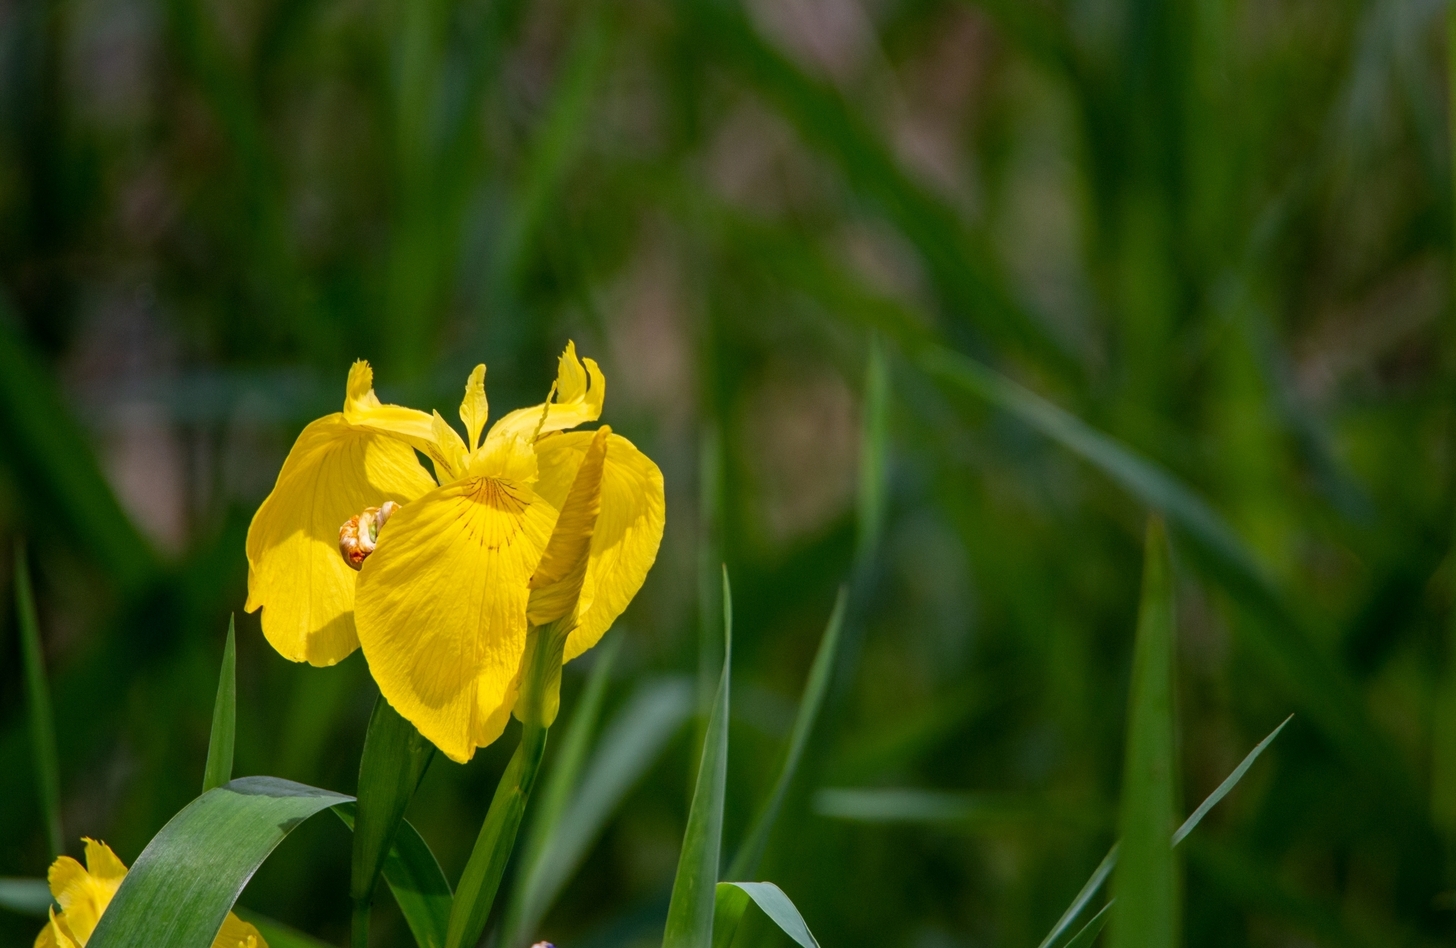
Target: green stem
(536, 708)
(359, 930)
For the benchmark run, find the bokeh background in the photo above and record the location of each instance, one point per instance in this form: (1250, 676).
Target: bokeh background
(1219, 231)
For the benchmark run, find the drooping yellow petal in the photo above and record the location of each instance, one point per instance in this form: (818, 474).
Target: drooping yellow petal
(295, 572)
(102, 863)
(556, 585)
(82, 893)
(441, 607)
(362, 409)
(56, 933)
(236, 933)
(628, 528)
(578, 396)
(474, 409)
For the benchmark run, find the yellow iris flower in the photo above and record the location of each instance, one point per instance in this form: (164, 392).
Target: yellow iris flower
(440, 603)
(84, 893)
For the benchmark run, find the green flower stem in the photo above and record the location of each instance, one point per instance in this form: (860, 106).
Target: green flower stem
(537, 706)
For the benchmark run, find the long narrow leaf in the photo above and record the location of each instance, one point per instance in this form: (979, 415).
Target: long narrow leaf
(184, 883)
(38, 705)
(393, 762)
(690, 912)
(219, 769)
(629, 746)
(1145, 885)
(25, 896)
(415, 879)
(729, 904)
(777, 906)
(1093, 928)
(745, 863)
(1104, 869)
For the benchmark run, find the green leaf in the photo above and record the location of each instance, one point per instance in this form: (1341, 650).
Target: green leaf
(393, 762)
(277, 934)
(38, 704)
(415, 879)
(777, 906)
(729, 904)
(874, 454)
(1145, 885)
(1104, 869)
(690, 911)
(1083, 899)
(25, 896)
(628, 747)
(1090, 931)
(745, 863)
(219, 768)
(184, 883)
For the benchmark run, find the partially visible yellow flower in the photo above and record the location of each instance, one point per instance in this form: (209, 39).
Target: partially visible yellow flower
(439, 599)
(84, 893)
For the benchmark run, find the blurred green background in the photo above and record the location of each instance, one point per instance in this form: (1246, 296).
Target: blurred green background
(1216, 230)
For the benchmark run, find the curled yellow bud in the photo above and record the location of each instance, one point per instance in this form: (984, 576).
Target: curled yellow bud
(359, 534)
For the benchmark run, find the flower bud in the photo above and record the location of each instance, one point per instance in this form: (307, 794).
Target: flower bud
(358, 535)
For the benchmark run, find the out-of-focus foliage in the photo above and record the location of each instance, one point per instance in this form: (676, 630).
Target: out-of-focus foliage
(1218, 231)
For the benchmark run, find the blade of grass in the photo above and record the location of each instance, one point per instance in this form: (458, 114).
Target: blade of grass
(628, 748)
(745, 863)
(729, 904)
(1104, 869)
(185, 882)
(219, 769)
(690, 911)
(415, 879)
(38, 705)
(25, 896)
(394, 760)
(1090, 931)
(1145, 884)
(777, 906)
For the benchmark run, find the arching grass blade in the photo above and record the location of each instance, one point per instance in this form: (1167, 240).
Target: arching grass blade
(690, 911)
(38, 705)
(184, 883)
(1090, 931)
(771, 899)
(219, 769)
(1083, 899)
(1145, 884)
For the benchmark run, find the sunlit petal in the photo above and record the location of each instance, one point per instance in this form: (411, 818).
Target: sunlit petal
(474, 409)
(628, 528)
(441, 607)
(362, 409)
(577, 399)
(557, 583)
(236, 933)
(295, 572)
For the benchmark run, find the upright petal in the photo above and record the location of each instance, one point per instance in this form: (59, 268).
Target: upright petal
(83, 894)
(441, 608)
(295, 572)
(474, 409)
(362, 409)
(576, 399)
(557, 583)
(628, 528)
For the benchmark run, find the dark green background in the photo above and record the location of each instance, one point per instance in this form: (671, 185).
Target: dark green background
(1218, 230)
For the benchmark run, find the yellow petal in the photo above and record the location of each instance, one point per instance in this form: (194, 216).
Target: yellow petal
(441, 607)
(474, 409)
(556, 585)
(236, 933)
(83, 894)
(55, 934)
(362, 409)
(578, 396)
(295, 572)
(628, 528)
